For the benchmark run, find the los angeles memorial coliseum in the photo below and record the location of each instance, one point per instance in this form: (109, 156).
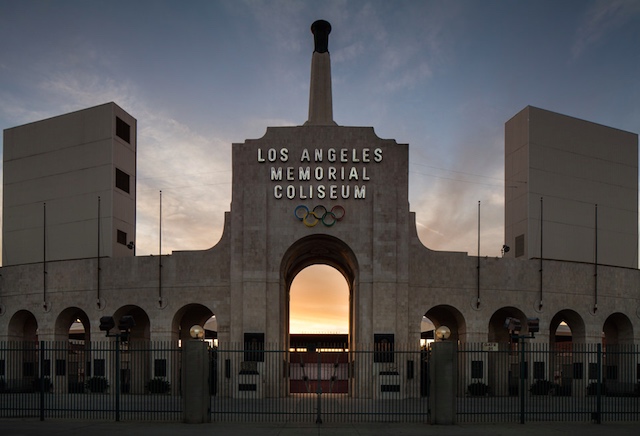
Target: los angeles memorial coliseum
(321, 193)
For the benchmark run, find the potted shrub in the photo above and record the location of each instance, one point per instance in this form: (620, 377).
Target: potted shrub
(38, 384)
(478, 389)
(158, 385)
(541, 387)
(97, 384)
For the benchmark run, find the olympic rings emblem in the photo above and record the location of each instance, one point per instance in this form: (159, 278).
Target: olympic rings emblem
(311, 218)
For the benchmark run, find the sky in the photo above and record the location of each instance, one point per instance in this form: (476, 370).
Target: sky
(442, 76)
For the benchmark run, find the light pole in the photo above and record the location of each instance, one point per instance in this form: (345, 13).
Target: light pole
(515, 326)
(107, 324)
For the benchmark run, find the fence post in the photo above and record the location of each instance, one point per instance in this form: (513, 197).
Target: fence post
(444, 376)
(195, 376)
(599, 386)
(42, 383)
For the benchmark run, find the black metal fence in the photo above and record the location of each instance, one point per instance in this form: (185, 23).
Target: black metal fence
(497, 382)
(321, 383)
(537, 382)
(97, 380)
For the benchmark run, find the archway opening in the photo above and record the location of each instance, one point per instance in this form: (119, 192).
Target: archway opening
(319, 302)
(319, 277)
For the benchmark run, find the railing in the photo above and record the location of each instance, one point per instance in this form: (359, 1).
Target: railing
(320, 383)
(565, 382)
(98, 380)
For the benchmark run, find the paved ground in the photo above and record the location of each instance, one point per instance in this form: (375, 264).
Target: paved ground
(32, 427)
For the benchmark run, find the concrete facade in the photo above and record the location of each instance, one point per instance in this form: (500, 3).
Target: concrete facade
(54, 172)
(557, 169)
(320, 194)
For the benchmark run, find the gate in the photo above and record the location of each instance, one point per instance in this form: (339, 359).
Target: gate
(520, 382)
(320, 383)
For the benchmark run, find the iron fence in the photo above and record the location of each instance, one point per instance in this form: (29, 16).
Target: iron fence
(538, 382)
(320, 383)
(99, 380)
(496, 382)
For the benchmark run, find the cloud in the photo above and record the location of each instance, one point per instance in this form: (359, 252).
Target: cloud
(193, 169)
(602, 18)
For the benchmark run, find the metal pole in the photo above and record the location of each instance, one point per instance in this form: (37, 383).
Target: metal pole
(117, 387)
(41, 355)
(541, 252)
(44, 256)
(595, 274)
(478, 290)
(160, 255)
(599, 387)
(98, 251)
(319, 387)
(522, 376)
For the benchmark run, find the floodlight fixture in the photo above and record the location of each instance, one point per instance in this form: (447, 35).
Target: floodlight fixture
(126, 323)
(512, 324)
(107, 323)
(533, 325)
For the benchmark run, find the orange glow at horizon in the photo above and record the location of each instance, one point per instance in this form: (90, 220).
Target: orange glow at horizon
(319, 301)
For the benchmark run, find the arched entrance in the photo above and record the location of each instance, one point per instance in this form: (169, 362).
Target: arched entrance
(330, 360)
(73, 336)
(507, 362)
(319, 323)
(620, 373)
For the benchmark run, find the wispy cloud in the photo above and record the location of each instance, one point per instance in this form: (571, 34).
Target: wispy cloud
(601, 18)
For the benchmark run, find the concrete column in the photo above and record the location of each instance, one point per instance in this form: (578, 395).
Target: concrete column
(195, 379)
(444, 378)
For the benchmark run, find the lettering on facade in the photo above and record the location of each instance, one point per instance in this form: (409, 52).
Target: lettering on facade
(332, 173)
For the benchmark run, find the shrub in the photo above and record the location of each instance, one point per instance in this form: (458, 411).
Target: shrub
(158, 386)
(478, 389)
(76, 387)
(541, 387)
(39, 382)
(97, 384)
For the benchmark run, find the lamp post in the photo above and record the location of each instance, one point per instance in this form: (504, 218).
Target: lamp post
(443, 332)
(126, 323)
(515, 326)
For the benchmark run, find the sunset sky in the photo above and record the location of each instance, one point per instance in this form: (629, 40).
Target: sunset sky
(442, 76)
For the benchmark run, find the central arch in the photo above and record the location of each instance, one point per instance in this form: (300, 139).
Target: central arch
(314, 250)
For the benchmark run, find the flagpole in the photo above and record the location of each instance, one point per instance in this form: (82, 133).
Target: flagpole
(160, 255)
(478, 268)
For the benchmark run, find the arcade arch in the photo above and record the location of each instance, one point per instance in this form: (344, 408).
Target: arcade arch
(23, 326)
(314, 250)
(188, 316)
(66, 319)
(566, 326)
(142, 330)
(319, 301)
(448, 316)
(497, 331)
(618, 330)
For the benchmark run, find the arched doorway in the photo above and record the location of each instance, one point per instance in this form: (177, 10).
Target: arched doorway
(73, 335)
(330, 252)
(619, 370)
(319, 322)
(566, 340)
(437, 316)
(22, 361)
(188, 316)
(504, 367)
(166, 367)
